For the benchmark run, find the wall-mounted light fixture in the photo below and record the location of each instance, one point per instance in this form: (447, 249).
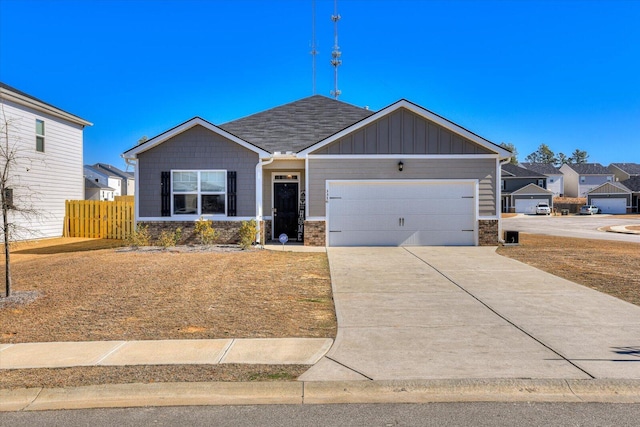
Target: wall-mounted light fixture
(400, 166)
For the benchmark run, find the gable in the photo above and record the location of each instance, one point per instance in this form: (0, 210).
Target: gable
(403, 132)
(609, 188)
(532, 189)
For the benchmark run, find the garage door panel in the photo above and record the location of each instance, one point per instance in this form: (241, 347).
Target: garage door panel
(528, 206)
(611, 205)
(395, 213)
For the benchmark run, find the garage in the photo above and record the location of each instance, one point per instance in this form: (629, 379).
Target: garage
(402, 213)
(528, 206)
(611, 205)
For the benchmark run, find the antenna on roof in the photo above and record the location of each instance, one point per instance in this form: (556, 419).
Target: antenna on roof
(335, 54)
(313, 52)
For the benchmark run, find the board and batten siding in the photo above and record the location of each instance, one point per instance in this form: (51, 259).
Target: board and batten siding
(403, 132)
(321, 170)
(42, 181)
(196, 149)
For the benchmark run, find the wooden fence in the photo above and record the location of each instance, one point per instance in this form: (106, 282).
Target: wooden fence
(98, 219)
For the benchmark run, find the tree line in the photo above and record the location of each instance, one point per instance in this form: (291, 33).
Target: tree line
(544, 154)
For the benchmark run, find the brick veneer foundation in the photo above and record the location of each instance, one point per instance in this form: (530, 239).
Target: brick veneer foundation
(314, 233)
(227, 231)
(488, 232)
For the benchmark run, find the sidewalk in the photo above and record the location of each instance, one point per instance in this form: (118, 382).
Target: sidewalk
(279, 351)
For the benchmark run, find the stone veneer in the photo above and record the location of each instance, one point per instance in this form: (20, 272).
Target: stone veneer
(227, 231)
(265, 231)
(488, 232)
(314, 233)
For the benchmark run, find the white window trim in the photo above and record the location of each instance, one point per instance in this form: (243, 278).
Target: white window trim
(199, 194)
(42, 135)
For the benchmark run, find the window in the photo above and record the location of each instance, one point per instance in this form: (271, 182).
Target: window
(199, 192)
(608, 179)
(503, 184)
(582, 179)
(541, 183)
(40, 135)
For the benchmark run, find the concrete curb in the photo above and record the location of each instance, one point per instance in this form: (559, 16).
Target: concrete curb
(321, 392)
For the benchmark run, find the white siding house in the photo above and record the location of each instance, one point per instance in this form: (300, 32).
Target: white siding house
(48, 167)
(105, 178)
(581, 178)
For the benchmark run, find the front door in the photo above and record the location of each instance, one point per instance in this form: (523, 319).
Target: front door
(285, 213)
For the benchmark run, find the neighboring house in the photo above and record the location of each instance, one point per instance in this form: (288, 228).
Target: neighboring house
(94, 190)
(522, 189)
(624, 171)
(128, 180)
(555, 178)
(580, 178)
(325, 172)
(616, 197)
(105, 178)
(48, 168)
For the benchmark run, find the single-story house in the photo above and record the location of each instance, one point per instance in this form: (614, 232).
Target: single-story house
(522, 189)
(580, 178)
(555, 178)
(616, 197)
(326, 173)
(624, 171)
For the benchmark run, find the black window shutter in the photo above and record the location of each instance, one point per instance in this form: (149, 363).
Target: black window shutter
(165, 193)
(231, 193)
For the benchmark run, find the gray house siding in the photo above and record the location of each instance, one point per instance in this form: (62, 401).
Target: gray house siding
(197, 149)
(296, 167)
(403, 132)
(321, 170)
(513, 184)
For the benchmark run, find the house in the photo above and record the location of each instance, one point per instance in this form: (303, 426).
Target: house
(94, 190)
(522, 189)
(624, 171)
(105, 178)
(555, 178)
(48, 169)
(580, 178)
(616, 197)
(327, 173)
(128, 181)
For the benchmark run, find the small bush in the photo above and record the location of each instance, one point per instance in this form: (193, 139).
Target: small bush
(139, 237)
(248, 231)
(168, 239)
(205, 232)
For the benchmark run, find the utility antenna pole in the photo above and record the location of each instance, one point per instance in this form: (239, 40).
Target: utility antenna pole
(313, 52)
(335, 54)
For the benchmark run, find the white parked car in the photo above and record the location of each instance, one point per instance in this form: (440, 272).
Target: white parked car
(589, 210)
(543, 209)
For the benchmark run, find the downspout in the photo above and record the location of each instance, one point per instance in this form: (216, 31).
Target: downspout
(136, 184)
(259, 191)
(500, 234)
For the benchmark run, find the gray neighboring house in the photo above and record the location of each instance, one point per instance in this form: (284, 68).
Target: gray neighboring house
(105, 178)
(555, 178)
(128, 179)
(522, 189)
(326, 173)
(94, 190)
(617, 197)
(580, 178)
(624, 171)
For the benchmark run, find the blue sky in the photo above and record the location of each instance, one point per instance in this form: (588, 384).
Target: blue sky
(563, 73)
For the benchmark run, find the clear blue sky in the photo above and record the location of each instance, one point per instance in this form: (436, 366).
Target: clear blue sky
(563, 73)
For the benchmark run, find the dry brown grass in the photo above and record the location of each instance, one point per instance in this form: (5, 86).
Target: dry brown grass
(607, 266)
(114, 295)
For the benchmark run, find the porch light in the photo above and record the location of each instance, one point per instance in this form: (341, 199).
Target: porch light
(400, 166)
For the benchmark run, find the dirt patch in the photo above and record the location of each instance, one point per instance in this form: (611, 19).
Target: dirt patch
(508, 215)
(633, 227)
(607, 266)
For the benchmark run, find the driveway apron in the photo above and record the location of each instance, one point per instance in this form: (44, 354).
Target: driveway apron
(453, 312)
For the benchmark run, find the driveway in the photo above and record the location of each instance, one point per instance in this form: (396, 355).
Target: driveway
(583, 226)
(466, 312)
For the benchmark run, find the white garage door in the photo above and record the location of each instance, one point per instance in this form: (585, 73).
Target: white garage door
(396, 213)
(528, 206)
(611, 206)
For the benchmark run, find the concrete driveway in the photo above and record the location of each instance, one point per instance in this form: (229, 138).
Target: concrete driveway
(582, 226)
(466, 312)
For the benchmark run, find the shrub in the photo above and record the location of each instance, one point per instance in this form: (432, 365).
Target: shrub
(205, 232)
(139, 237)
(248, 231)
(168, 239)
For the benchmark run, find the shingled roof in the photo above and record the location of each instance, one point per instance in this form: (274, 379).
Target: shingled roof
(519, 172)
(297, 125)
(543, 168)
(589, 169)
(630, 168)
(632, 184)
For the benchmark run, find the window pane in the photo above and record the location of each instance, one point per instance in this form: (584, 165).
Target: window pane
(212, 181)
(40, 144)
(39, 127)
(213, 204)
(185, 204)
(185, 181)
